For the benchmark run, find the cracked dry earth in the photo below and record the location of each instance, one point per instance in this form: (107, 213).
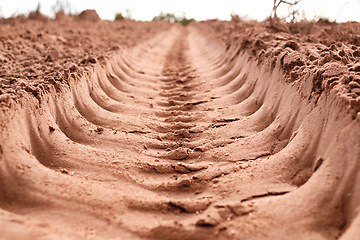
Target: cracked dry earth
(180, 137)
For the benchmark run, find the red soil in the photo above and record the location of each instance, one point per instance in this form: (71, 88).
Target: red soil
(218, 130)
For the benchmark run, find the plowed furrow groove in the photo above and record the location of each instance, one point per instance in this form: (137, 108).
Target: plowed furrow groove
(176, 138)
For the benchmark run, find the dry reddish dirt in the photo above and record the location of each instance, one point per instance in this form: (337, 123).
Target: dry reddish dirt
(217, 130)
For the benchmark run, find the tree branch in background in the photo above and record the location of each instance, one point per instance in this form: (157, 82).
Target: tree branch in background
(277, 3)
(274, 19)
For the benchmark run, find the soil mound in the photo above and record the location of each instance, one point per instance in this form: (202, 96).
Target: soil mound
(89, 15)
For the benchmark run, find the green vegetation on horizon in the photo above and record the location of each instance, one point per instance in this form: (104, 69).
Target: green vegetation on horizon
(171, 17)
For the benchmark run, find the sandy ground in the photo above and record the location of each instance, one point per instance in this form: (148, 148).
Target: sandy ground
(217, 130)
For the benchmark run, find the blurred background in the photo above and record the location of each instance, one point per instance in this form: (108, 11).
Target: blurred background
(339, 10)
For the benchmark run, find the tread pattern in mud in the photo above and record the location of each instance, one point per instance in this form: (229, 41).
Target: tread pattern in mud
(176, 138)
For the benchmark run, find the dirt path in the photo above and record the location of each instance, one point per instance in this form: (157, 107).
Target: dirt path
(178, 137)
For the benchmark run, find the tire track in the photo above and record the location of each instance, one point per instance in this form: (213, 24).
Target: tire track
(176, 138)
